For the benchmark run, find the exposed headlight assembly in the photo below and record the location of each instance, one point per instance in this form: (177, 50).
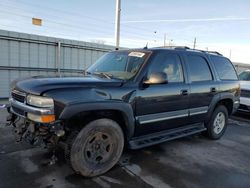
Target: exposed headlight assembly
(40, 101)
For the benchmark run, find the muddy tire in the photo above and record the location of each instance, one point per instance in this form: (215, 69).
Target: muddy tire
(217, 125)
(97, 147)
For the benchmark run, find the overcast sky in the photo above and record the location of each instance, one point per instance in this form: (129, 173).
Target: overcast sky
(218, 25)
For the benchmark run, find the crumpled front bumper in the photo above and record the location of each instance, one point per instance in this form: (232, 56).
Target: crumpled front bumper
(36, 133)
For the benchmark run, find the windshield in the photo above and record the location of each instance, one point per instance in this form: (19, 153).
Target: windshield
(244, 76)
(120, 65)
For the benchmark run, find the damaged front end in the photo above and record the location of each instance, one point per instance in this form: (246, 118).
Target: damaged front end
(33, 119)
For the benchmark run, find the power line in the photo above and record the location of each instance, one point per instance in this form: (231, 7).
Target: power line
(58, 10)
(135, 41)
(77, 27)
(49, 20)
(135, 36)
(81, 15)
(46, 13)
(103, 30)
(36, 31)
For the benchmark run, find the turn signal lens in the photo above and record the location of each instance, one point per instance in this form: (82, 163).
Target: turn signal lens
(41, 118)
(48, 118)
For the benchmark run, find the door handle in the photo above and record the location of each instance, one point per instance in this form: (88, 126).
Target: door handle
(213, 89)
(184, 92)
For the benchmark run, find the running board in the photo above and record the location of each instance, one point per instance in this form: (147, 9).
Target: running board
(156, 138)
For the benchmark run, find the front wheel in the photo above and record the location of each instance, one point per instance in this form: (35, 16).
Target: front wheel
(97, 147)
(217, 125)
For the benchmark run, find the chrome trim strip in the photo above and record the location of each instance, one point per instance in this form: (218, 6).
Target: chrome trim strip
(151, 118)
(18, 93)
(31, 109)
(162, 119)
(197, 111)
(236, 102)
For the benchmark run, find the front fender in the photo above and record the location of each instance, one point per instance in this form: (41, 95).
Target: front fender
(125, 108)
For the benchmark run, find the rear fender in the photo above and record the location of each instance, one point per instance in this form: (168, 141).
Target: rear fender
(216, 100)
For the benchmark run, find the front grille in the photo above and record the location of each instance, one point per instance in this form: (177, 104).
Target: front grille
(18, 96)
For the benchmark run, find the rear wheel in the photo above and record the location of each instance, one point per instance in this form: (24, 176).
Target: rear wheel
(217, 125)
(97, 147)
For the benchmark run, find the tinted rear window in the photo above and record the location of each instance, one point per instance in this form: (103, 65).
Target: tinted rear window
(224, 68)
(199, 69)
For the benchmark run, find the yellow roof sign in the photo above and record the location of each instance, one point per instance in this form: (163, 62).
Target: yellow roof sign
(37, 21)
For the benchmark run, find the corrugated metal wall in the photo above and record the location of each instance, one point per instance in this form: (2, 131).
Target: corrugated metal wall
(23, 55)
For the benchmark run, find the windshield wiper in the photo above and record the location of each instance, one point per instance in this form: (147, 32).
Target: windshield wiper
(103, 74)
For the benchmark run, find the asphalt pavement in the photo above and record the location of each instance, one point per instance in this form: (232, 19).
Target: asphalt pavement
(193, 161)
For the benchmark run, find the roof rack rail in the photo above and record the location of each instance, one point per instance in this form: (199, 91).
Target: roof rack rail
(214, 52)
(210, 52)
(181, 48)
(187, 48)
(174, 47)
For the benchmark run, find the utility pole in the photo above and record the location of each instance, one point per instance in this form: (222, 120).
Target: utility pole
(230, 54)
(58, 60)
(194, 42)
(164, 40)
(117, 24)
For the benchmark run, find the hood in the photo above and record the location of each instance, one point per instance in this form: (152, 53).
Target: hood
(39, 85)
(245, 85)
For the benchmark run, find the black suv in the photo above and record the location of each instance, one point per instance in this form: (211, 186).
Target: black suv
(134, 98)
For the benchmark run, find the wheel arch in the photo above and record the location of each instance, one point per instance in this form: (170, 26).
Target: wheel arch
(81, 114)
(226, 100)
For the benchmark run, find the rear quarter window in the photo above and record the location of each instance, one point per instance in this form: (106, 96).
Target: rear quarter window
(224, 68)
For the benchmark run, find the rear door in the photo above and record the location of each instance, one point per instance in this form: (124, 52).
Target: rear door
(203, 86)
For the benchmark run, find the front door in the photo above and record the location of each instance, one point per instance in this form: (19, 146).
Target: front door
(163, 106)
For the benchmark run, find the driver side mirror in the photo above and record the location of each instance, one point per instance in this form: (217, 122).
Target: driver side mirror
(157, 78)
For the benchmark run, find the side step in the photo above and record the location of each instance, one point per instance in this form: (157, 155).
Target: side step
(156, 138)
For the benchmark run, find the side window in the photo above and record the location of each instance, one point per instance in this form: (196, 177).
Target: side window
(224, 68)
(168, 63)
(199, 69)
